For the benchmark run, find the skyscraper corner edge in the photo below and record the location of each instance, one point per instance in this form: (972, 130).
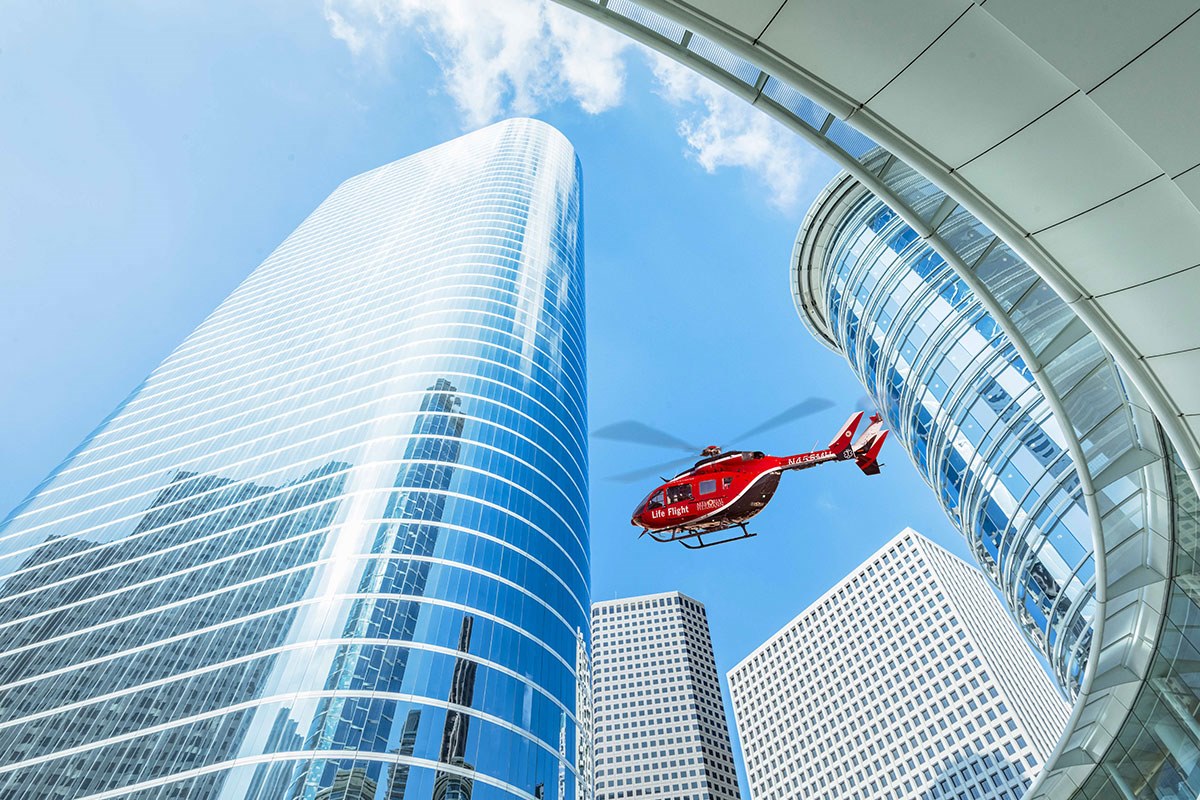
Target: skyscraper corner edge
(882, 660)
(904, 533)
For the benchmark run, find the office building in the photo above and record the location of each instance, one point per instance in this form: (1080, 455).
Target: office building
(1062, 132)
(336, 544)
(962, 399)
(905, 680)
(660, 729)
(1033, 438)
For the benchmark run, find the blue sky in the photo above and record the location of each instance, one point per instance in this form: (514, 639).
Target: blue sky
(154, 154)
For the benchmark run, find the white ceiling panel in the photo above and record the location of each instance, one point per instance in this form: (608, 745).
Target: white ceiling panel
(1088, 40)
(1189, 183)
(1048, 172)
(1180, 375)
(747, 17)
(1161, 316)
(1145, 234)
(1156, 99)
(974, 87)
(1193, 422)
(876, 39)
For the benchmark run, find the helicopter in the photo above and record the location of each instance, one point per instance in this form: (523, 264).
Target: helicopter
(723, 490)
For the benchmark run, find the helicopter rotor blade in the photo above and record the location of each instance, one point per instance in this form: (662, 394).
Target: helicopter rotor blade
(640, 433)
(804, 408)
(668, 468)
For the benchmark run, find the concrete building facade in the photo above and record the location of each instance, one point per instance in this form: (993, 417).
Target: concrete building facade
(660, 726)
(905, 680)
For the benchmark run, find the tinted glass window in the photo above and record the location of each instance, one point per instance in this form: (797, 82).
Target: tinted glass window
(678, 494)
(708, 487)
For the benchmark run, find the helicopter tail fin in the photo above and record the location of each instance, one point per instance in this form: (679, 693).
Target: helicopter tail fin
(842, 441)
(867, 458)
(868, 436)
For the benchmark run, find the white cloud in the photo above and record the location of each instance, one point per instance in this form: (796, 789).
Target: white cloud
(498, 57)
(341, 29)
(504, 57)
(722, 130)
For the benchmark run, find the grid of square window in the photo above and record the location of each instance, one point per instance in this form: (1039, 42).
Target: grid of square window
(905, 680)
(660, 727)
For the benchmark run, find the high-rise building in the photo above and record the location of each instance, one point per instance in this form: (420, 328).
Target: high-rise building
(660, 728)
(1090, 186)
(963, 401)
(905, 680)
(336, 544)
(1040, 449)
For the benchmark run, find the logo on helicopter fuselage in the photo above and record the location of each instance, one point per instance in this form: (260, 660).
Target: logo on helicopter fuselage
(671, 511)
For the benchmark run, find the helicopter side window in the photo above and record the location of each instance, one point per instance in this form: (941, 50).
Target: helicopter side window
(655, 501)
(726, 483)
(708, 487)
(679, 494)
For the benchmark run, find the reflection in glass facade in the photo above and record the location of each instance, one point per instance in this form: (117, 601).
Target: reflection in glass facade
(962, 401)
(1156, 753)
(335, 545)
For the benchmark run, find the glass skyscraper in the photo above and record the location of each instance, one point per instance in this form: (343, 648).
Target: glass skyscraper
(962, 401)
(946, 373)
(335, 546)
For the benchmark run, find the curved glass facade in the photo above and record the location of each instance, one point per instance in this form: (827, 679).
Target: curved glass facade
(964, 404)
(1133, 731)
(336, 545)
(1135, 728)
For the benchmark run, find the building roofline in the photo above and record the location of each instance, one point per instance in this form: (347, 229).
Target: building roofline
(808, 254)
(640, 597)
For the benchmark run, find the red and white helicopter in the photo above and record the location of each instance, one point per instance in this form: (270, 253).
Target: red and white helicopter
(724, 490)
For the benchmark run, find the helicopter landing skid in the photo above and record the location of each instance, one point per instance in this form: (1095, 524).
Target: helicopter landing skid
(694, 540)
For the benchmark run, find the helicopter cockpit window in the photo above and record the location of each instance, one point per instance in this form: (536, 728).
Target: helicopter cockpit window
(708, 487)
(655, 501)
(679, 494)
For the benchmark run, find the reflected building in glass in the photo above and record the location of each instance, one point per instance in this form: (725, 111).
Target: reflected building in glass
(336, 544)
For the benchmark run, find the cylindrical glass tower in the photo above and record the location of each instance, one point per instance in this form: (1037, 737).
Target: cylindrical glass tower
(960, 399)
(336, 545)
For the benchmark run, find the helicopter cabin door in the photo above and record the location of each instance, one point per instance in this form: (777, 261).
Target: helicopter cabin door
(679, 498)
